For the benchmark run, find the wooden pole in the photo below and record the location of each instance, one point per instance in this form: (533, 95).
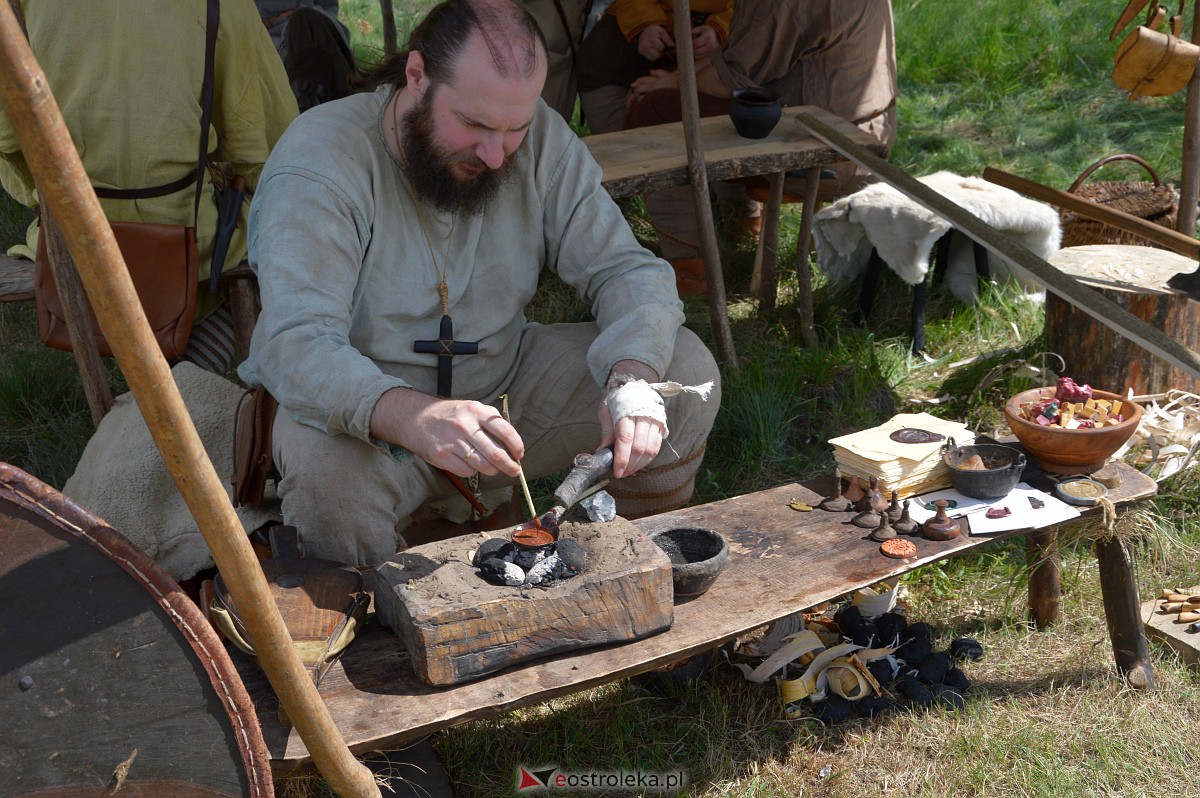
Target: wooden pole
(1045, 580)
(64, 188)
(1122, 612)
(689, 101)
(1091, 302)
(1189, 189)
(812, 183)
(389, 27)
(79, 323)
(1156, 233)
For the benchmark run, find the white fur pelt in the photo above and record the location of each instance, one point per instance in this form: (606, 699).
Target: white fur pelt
(903, 232)
(122, 478)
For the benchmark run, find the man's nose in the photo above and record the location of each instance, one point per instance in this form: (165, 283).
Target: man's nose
(491, 150)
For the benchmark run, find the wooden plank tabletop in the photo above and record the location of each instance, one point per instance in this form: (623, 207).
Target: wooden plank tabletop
(648, 158)
(781, 561)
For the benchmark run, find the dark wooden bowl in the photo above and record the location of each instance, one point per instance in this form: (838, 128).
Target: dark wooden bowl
(697, 557)
(1070, 451)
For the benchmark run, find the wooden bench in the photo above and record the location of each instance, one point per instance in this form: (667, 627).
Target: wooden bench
(781, 561)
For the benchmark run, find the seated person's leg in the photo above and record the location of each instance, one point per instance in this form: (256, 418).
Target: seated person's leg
(348, 499)
(608, 64)
(344, 496)
(673, 210)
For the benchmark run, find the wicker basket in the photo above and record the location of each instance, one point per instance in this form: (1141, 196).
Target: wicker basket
(1146, 199)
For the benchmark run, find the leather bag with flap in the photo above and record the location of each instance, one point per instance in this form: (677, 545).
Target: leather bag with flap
(1149, 62)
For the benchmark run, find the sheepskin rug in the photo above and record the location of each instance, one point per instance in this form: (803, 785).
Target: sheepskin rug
(903, 232)
(122, 478)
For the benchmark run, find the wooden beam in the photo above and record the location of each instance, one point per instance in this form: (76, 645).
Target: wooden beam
(389, 27)
(79, 323)
(1103, 310)
(1164, 236)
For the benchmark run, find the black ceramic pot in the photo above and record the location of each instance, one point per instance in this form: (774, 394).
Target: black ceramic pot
(755, 112)
(697, 557)
(1001, 472)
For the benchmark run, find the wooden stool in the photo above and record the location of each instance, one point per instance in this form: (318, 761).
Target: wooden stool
(1136, 279)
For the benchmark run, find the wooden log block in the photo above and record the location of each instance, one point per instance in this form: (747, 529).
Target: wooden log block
(1134, 278)
(1045, 580)
(457, 627)
(1118, 588)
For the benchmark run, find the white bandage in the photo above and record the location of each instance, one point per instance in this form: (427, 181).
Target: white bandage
(642, 399)
(636, 398)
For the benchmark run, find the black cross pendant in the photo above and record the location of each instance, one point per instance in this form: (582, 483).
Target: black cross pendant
(445, 347)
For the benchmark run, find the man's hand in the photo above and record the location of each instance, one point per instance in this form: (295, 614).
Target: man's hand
(704, 40)
(460, 436)
(657, 79)
(635, 440)
(653, 41)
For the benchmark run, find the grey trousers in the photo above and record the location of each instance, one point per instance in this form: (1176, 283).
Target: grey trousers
(350, 501)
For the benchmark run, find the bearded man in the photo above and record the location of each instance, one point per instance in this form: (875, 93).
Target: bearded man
(398, 235)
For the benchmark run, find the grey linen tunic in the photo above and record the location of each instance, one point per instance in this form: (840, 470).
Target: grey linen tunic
(348, 282)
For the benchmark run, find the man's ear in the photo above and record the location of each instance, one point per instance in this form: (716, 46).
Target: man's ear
(417, 79)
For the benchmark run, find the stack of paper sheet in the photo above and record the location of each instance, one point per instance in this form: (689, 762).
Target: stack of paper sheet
(907, 468)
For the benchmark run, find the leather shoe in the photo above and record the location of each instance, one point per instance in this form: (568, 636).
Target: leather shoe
(691, 279)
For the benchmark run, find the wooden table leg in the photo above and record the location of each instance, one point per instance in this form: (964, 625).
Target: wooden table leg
(812, 183)
(765, 281)
(1122, 613)
(1045, 584)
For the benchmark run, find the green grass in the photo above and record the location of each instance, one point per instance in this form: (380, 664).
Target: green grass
(1023, 85)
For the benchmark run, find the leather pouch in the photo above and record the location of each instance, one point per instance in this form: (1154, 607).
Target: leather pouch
(253, 458)
(164, 265)
(1151, 63)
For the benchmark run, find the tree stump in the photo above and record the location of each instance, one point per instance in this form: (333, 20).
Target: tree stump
(1136, 279)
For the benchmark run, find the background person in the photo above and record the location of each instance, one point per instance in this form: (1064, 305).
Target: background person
(840, 56)
(426, 209)
(136, 121)
(631, 38)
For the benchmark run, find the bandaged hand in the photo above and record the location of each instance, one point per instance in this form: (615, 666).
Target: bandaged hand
(634, 420)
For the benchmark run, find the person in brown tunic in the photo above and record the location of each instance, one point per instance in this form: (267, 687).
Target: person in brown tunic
(840, 56)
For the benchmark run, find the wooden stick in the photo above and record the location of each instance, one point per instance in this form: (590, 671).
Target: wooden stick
(79, 323)
(520, 470)
(1086, 299)
(1165, 236)
(689, 102)
(63, 186)
(1189, 188)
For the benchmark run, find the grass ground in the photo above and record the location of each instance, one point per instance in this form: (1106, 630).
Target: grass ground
(1019, 84)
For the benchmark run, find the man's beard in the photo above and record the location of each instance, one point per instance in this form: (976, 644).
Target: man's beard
(430, 168)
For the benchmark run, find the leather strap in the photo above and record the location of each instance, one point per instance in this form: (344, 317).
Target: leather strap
(1133, 8)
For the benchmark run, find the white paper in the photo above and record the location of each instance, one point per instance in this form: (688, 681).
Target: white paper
(1023, 514)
